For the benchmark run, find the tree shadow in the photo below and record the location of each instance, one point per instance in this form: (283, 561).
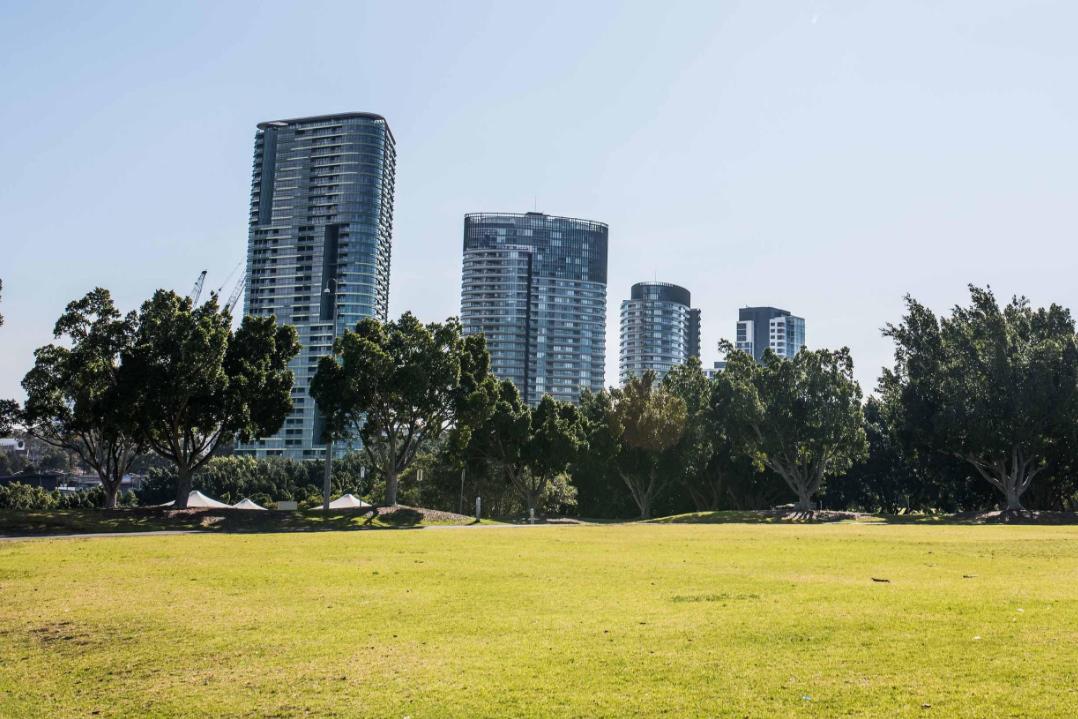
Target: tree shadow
(756, 516)
(1020, 516)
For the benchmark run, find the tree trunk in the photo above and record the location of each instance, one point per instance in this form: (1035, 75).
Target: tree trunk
(391, 486)
(1014, 499)
(111, 490)
(801, 485)
(645, 496)
(1011, 477)
(327, 476)
(183, 488)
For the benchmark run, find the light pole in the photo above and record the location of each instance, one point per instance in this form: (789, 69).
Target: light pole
(327, 476)
(462, 471)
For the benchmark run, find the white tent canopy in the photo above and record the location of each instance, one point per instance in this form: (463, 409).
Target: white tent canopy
(197, 500)
(348, 501)
(246, 503)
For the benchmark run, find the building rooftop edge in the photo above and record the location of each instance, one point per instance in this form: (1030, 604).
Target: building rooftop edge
(656, 283)
(332, 116)
(533, 214)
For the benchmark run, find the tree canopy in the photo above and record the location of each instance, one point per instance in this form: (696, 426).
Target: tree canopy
(801, 417)
(196, 384)
(634, 430)
(530, 446)
(994, 386)
(76, 397)
(399, 385)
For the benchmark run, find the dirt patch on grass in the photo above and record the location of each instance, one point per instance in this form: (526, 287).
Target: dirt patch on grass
(60, 633)
(695, 598)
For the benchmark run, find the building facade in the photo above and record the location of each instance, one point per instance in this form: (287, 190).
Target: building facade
(659, 329)
(318, 247)
(763, 328)
(714, 370)
(535, 286)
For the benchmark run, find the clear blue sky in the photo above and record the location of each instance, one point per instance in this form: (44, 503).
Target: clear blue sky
(825, 157)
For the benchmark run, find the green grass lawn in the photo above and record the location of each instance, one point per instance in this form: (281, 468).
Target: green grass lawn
(727, 620)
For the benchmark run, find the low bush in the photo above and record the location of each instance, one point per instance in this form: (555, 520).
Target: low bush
(27, 498)
(265, 481)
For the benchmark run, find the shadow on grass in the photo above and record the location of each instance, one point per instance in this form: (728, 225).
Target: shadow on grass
(781, 516)
(222, 521)
(762, 516)
(1024, 516)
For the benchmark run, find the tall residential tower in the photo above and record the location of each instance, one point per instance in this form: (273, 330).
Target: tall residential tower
(659, 329)
(762, 328)
(535, 286)
(318, 245)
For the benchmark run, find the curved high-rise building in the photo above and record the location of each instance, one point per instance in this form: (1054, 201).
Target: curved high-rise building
(535, 286)
(659, 329)
(318, 247)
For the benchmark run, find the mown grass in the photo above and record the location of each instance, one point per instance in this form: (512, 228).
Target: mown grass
(726, 620)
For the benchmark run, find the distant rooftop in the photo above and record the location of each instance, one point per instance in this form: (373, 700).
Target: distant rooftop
(325, 118)
(480, 215)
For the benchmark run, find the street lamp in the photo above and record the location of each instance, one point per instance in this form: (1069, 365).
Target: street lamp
(327, 477)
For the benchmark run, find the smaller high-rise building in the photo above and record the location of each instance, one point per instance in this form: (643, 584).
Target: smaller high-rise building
(659, 329)
(763, 328)
(535, 286)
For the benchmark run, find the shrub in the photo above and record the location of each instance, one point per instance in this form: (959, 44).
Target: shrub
(26, 498)
(230, 479)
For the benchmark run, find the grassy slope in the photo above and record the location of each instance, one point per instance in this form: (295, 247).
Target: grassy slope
(686, 620)
(86, 521)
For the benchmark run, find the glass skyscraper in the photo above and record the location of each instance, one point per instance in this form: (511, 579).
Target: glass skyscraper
(659, 329)
(535, 286)
(318, 246)
(761, 328)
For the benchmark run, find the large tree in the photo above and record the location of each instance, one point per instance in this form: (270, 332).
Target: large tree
(994, 386)
(639, 425)
(400, 385)
(197, 384)
(600, 489)
(800, 417)
(696, 466)
(529, 446)
(75, 396)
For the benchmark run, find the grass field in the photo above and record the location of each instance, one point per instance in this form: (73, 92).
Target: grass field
(727, 620)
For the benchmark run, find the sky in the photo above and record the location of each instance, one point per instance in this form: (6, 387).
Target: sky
(823, 157)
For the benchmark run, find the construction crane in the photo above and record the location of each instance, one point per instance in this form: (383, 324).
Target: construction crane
(196, 291)
(237, 292)
(229, 276)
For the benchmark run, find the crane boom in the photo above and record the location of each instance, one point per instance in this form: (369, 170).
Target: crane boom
(237, 292)
(196, 291)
